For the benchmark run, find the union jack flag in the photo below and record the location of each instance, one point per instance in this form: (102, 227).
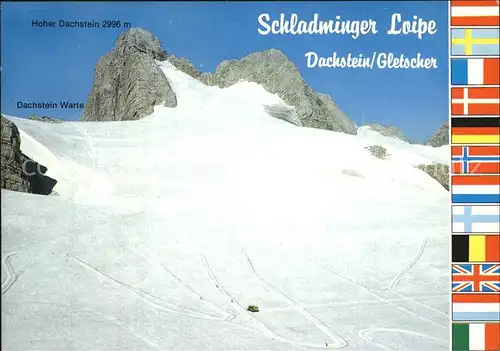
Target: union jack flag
(483, 278)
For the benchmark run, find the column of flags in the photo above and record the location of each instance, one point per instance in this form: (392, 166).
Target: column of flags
(475, 174)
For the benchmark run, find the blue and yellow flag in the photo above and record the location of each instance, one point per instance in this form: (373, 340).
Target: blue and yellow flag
(474, 42)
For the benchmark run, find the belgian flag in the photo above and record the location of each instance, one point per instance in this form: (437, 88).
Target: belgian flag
(475, 248)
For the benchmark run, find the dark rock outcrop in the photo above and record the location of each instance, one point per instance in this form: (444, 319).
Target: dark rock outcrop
(391, 131)
(12, 175)
(283, 112)
(439, 172)
(378, 151)
(278, 75)
(40, 183)
(441, 137)
(127, 81)
(20, 172)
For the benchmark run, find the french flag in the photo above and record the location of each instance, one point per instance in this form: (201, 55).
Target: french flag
(475, 71)
(479, 189)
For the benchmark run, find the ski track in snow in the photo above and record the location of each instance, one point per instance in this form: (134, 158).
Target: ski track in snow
(413, 262)
(262, 326)
(402, 274)
(9, 270)
(346, 303)
(337, 341)
(375, 294)
(365, 332)
(392, 288)
(157, 303)
(225, 314)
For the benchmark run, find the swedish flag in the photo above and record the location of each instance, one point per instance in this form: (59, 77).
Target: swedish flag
(474, 42)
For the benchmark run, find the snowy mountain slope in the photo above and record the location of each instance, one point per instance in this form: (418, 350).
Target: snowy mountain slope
(168, 227)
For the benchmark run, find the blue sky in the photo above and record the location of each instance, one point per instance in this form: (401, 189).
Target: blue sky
(53, 64)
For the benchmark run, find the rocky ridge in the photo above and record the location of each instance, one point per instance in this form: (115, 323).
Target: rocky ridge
(441, 137)
(390, 131)
(278, 75)
(128, 84)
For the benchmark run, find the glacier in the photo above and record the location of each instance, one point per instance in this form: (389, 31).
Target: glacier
(165, 229)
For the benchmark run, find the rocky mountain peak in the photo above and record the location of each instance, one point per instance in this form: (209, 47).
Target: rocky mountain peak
(441, 137)
(278, 75)
(127, 81)
(138, 39)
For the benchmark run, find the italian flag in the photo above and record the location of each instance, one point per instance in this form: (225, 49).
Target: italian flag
(476, 337)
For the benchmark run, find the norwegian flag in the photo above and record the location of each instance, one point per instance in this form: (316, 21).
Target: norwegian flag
(475, 159)
(470, 278)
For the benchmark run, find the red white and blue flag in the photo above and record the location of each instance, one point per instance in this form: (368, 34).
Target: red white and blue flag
(471, 278)
(475, 71)
(475, 159)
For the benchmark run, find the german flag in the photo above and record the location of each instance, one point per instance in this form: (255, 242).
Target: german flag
(475, 130)
(475, 248)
